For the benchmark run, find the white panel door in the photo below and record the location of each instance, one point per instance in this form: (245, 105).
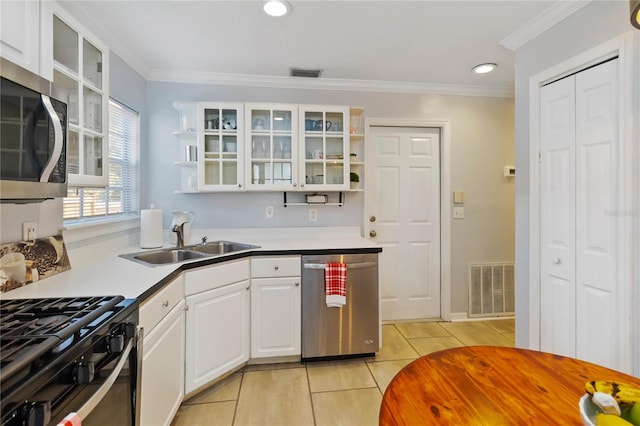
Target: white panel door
(597, 193)
(404, 218)
(557, 203)
(580, 227)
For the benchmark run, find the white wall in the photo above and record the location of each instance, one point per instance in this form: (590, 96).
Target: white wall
(592, 25)
(482, 142)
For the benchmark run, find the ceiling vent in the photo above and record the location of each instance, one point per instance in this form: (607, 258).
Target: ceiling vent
(299, 72)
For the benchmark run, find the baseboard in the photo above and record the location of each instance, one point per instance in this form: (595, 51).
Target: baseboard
(459, 316)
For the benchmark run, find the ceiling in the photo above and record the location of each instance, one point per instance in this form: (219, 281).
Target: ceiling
(406, 45)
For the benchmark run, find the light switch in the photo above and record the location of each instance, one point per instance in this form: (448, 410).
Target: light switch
(458, 212)
(458, 197)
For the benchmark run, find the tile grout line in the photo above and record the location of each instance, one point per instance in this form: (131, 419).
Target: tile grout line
(313, 410)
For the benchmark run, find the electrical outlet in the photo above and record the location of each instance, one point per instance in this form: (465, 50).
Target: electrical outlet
(269, 212)
(313, 215)
(458, 212)
(29, 231)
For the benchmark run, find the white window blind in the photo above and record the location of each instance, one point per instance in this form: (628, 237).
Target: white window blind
(122, 196)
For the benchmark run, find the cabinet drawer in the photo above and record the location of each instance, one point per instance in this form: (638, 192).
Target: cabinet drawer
(267, 267)
(215, 276)
(154, 309)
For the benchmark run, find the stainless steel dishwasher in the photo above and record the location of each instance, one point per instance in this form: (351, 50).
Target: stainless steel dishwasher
(347, 331)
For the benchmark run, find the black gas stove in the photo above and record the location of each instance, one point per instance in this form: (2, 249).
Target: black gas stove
(54, 351)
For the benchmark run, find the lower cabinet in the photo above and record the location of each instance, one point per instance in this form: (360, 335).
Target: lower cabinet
(275, 307)
(217, 327)
(162, 384)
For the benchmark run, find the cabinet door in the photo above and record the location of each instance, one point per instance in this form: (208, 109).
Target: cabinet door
(20, 33)
(275, 317)
(324, 147)
(163, 369)
(80, 67)
(220, 147)
(217, 333)
(271, 147)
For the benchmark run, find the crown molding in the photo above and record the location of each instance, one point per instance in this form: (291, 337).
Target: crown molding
(203, 77)
(80, 12)
(541, 23)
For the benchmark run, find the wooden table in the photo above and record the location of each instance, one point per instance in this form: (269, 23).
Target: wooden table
(487, 385)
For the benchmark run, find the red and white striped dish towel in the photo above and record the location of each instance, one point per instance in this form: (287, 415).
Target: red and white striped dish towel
(73, 419)
(335, 284)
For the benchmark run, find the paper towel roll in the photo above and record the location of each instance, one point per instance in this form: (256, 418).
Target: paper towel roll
(151, 228)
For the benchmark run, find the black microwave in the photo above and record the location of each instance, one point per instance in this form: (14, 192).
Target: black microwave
(33, 137)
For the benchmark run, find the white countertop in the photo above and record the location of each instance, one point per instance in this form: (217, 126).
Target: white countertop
(113, 275)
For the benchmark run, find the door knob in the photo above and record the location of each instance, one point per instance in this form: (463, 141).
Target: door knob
(372, 233)
(372, 219)
(557, 260)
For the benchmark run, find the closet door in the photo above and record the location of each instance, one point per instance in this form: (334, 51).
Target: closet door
(580, 287)
(597, 214)
(558, 231)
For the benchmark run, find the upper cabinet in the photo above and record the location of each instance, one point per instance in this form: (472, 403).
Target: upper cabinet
(324, 147)
(20, 33)
(220, 146)
(80, 66)
(271, 147)
(268, 147)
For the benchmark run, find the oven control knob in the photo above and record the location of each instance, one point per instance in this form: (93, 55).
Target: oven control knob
(130, 329)
(115, 343)
(36, 413)
(83, 373)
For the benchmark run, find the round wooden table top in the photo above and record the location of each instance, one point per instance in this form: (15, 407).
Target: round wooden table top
(489, 385)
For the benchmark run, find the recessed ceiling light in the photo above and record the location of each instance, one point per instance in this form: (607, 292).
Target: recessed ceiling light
(484, 68)
(276, 7)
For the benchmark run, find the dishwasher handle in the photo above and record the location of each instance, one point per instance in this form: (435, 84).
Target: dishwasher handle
(349, 265)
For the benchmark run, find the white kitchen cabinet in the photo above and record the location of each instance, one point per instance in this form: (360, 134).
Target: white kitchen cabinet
(162, 386)
(217, 323)
(220, 147)
(79, 64)
(271, 147)
(324, 147)
(275, 307)
(20, 33)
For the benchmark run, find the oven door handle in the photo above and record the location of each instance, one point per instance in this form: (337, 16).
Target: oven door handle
(58, 140)
(349, 265)
(95, 399)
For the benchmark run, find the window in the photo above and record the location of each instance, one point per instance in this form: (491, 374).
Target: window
(122, 196)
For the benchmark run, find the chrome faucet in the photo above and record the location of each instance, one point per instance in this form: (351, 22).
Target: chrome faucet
(179, 230)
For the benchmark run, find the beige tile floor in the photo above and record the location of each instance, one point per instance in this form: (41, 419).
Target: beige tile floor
(332, 393)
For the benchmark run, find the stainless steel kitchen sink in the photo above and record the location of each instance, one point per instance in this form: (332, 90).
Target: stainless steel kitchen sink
(168, 256)
(175, 255)
(220, 247)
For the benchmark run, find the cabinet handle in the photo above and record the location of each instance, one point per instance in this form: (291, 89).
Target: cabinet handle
(165, 304)
(239, 185)
(247, 287)
(297, 284)
(295, 184)
(557, 261)
(372, 234)
(276, 267)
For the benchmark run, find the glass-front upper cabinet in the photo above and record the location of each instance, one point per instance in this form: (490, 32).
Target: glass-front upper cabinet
(220, 148)
(80, 65)
(271, 147)
(324, 135)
